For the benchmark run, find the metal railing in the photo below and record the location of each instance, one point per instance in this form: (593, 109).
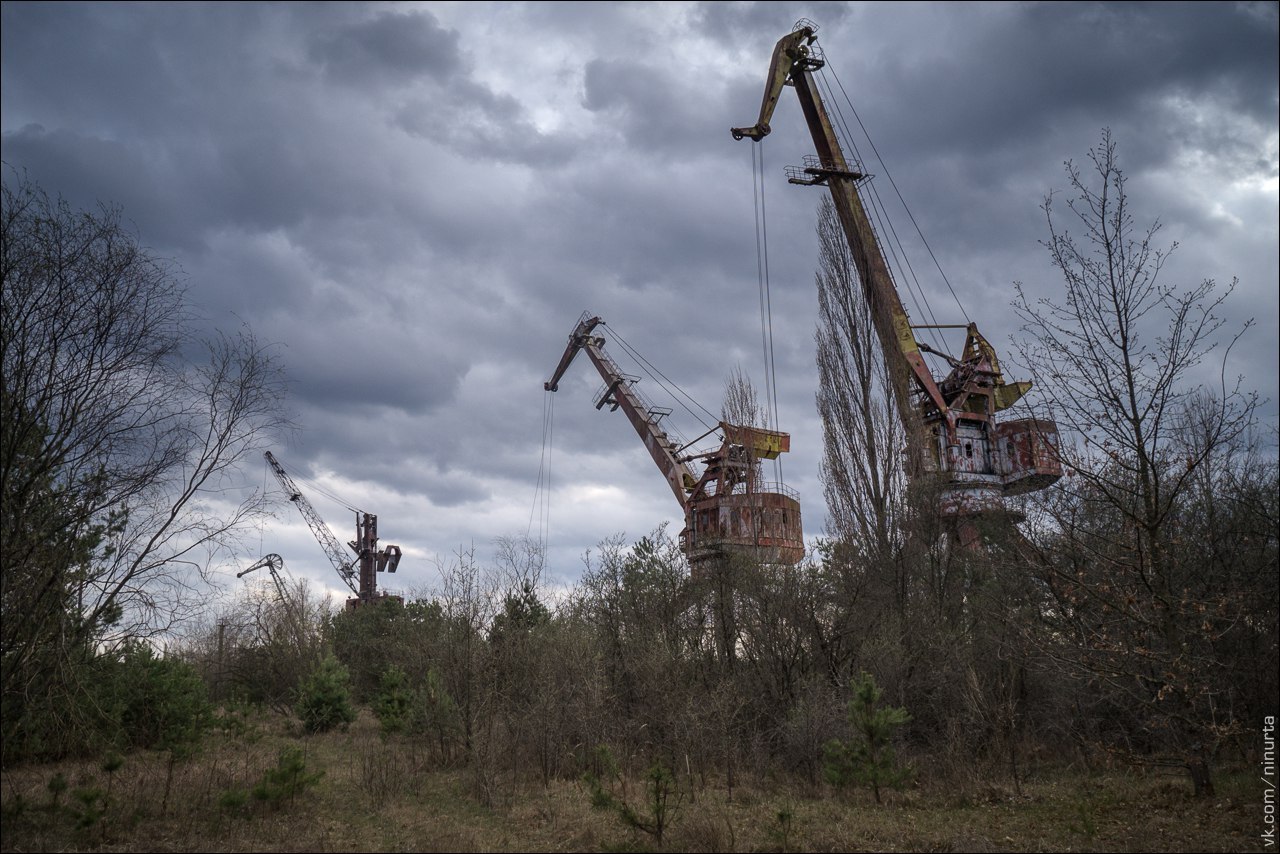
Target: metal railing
(763, 488)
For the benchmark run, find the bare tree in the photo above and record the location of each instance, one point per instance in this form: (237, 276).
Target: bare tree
(262, 643)
(468, 601)
(898, 598)
(1120, 361)
(742, 404)
(871, 580)
(122, 433)
(863, 466)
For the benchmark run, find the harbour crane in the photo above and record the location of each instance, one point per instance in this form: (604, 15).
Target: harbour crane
(274, 564)
(951, 423)
(727, 507)
(360, 573)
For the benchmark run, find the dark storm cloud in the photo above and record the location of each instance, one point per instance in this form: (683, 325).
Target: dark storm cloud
(1191, 48)
(384, 453)
(390, 48)
(658, 111)
(340, 375)
(1039, 68)
(228, 151)
(104, 74)
(134, 183)
(638, 100)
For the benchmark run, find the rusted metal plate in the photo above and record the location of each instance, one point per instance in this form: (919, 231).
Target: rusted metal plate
(763, 444)
(970, 494)
(764, 526)
(971, 454)
(1027, 455)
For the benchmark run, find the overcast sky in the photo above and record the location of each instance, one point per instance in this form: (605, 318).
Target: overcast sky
(417, 201)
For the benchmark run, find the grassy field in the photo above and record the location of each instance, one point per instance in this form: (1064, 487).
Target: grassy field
(372, 795)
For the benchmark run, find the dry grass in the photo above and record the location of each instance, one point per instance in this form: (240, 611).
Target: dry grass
(376, 796)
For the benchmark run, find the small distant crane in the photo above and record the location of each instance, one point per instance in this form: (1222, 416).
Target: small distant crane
(274, 564)
(727, 508)
(360, 573)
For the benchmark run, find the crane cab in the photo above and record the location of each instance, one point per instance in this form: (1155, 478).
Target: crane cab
(761, 526)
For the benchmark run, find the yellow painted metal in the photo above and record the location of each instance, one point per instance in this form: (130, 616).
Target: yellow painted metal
(763, 444)
(1007, 394)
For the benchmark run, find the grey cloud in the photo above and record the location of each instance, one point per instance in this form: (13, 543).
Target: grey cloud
(391, 47)
(105, 67)
(1044, 65)
(472, 119)
(90, 169)
(344, 375)
(654, 110)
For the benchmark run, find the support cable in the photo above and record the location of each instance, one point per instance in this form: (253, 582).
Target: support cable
(668, 385)
(546, 503)
(898, 192)
(766, 302)
(319, 490)
(542, 490)
(262, 520)
(897, 256)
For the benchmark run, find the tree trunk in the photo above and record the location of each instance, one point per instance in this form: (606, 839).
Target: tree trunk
(1198, 767)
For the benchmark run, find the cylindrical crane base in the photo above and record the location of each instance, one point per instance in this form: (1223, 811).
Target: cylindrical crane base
(761, 526)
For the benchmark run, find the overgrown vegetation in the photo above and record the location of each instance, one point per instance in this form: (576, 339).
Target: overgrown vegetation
(284, 782)
(651, 812)
(117, 425)
(426, 806)
(1158, 556)
(394, 703)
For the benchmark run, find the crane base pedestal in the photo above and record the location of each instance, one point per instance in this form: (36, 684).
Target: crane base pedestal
(760, 526)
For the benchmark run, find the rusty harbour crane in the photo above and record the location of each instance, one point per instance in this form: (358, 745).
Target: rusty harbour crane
(727, 508)
(360, 573)
(951, 423)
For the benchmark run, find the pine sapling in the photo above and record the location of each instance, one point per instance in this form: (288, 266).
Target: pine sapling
(868, 758)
